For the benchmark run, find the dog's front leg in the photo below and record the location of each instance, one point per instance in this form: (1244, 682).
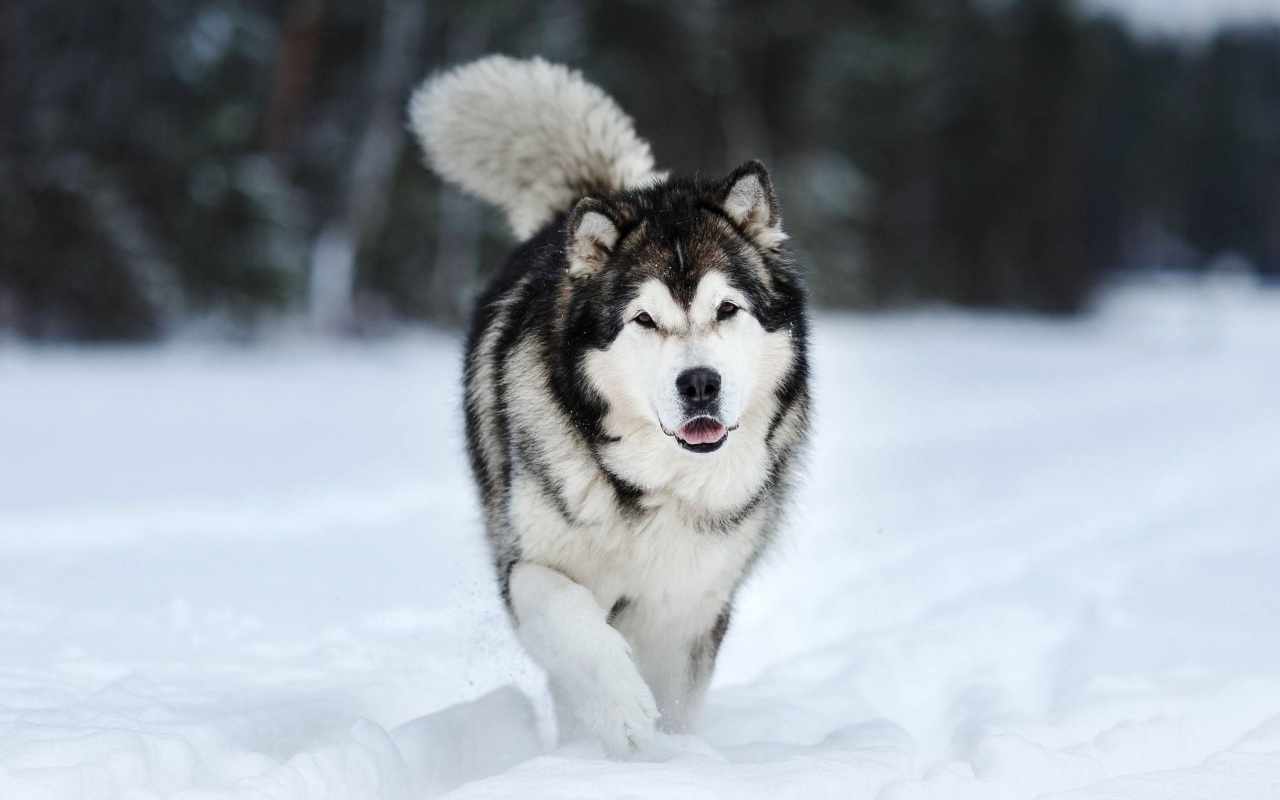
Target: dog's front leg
(567, 633)
(679, 669)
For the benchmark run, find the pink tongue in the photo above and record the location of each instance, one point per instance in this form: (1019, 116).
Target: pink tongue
(702, 430)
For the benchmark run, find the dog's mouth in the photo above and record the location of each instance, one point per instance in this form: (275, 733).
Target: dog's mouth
(701, 435)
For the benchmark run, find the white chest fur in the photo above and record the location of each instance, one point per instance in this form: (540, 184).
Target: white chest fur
(658, 559)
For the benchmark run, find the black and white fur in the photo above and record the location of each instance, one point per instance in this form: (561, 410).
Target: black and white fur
(636, 389)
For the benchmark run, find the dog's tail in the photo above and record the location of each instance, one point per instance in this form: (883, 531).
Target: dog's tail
(530, 137)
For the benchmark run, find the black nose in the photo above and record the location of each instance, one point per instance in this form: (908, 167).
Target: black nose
(698, 386)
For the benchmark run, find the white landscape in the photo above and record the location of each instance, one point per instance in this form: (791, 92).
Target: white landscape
(1030, 558)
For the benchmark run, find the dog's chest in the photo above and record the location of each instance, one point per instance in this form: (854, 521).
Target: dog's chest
(659, 556)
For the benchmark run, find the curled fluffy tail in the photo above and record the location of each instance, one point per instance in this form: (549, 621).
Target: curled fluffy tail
(530, 137)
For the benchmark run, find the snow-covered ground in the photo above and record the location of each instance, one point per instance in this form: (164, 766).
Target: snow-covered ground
(1030, 557)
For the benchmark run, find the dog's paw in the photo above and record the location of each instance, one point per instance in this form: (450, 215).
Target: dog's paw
(614, 704)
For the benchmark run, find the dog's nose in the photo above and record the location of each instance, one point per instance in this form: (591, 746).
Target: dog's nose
(698, 386)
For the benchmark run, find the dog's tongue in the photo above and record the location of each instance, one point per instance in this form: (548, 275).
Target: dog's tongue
(702, 430)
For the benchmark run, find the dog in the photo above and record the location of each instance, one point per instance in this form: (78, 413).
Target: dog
(636, 389)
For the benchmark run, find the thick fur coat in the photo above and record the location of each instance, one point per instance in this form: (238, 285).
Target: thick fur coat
(636, 389)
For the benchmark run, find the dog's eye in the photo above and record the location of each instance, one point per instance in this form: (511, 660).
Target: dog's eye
(644, 320)
(726, 310)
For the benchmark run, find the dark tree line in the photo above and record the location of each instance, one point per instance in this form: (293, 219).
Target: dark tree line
(231, 161)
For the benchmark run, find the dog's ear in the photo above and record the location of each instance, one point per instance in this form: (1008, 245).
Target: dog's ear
(590, 236)
(747, 197)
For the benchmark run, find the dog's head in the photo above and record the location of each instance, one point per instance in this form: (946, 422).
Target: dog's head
(686, 311)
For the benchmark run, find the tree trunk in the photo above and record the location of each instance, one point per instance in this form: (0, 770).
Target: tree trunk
(368, 183)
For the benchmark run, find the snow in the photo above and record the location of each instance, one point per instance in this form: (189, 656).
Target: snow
(1030, 558)
(1189, 17)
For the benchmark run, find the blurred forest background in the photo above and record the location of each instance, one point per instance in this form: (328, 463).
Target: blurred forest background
(169, 164)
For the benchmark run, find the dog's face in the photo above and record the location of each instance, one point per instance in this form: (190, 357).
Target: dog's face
(694, 308)
(689, 368)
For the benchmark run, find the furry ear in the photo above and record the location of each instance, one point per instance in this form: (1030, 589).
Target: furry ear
(590, 235)
(750, 202)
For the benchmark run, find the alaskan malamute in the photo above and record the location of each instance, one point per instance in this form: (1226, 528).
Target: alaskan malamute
(636, 389)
